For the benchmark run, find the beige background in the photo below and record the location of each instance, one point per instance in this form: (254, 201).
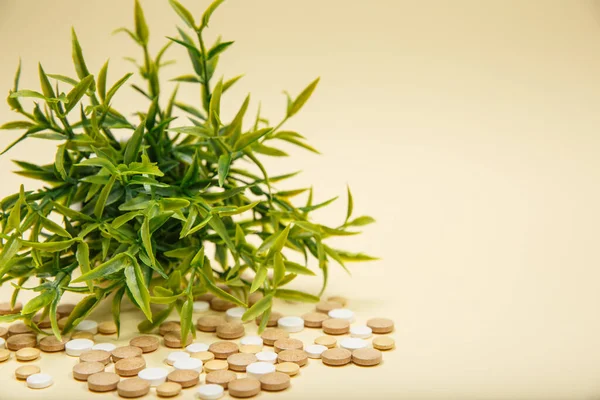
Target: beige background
(468, 129)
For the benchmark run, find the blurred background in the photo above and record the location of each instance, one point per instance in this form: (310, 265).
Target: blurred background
(468, 129)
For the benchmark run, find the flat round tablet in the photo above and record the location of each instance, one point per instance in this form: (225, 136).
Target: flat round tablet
(287, 344)
(383, 343)
(27, 354)
(133, 387)
(315, 350)
(222, 377)
(239, 361)
(84, 370)
(291, 324)
(173, 340)
(267, 356)
(101, 356)
(210, 392)
(314, 319)
(222, 350)
(168, 389)
(16, 342)
(6, 309)
(196, 348)
(338, 299)
(230, 330)
(273, 318)
(82, 335)
(41, 323)
(130, 366)
(209, 323)
(270, 335)
(87, 325)
(51, 344)
(201, 306)
(155, 376)
(336, 326)
(63, 322)
(169, 326)
(123, 352)
(204, 356)
(175, 356)
(252, 340)
(107, 328)
(287, 367)
(342, 313)
(254, 298)
(147, 343)
(235, 314)
(381, 325)
(275, 381)
(243, 388)
(104, 346)
(189, 363)
(75, 347)
(366, 357)
(184, 377)
(219, 304)
(326, 306)
(258, 369)
(353, 343)
(26, 371)
(336, 357)
(215, 365)
(250, 348)
(361, 331)
(327, 341)
(103, 382)
(39, 381)
(296, 356)
(18, 328)
(3, 332)
(4, 355)
(65, 309)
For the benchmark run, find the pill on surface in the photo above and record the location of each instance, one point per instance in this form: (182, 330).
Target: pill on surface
(246, 387)
(336, 357)
(189, 363)
(134, 387)
(39, 381)
(342, 313)
(147, 343)
(366, 357)
(26, 371)
(103, 382)
(87, 325)
(222, 377)
(196, 348)
(216, 365)
(287, 367)
(2, 343)
(209, 323)
(123, 352)
(75, 347)
(258, 369)
(204, 356)
(230, 330)
(130, 366)
(174, 356)
(239, 361)
(235, 314)
(169, 326)
(201, 306)
(271, 335)
(291, 324)
(273, 318)
(155, 376)
(82, 335)
(267, 356)
(4, 355)
(287, 344)
(296, 356)
(16, 342)
(184, 377)
(315, 350)
(250, 348)
(101, 356)
(338, 299)
(168, 389)
(327, 341)
(361, 331)
(173, 340)
(353, 343)
(51, 344)
(383, 343)
(326, 306)
(251, 340)
(103, 346)
(84, 370)
(107, 328)
(314, 319)
(275, 381)
(222, 350)
(335, 326)
(210, 392)
(381, 325)
(27, 354)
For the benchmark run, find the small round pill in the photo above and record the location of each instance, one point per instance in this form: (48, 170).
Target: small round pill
(4, 355)
(84, 370)
(239, 361)
(189, 363)
(6, 309)
(273, 318)
(184, 377)
(124, 352)
(275, 381)
(336, 326)
(361, 331)
(168, 389)
(383, 343)
(204, 356)
(82, 335)
(51, 344)
(246, 387)
(336, 357)
(219, 304)
(210, 392)
(16, 342)
(327, 341)
(271, 335)
(315, 350)
(314, 319)
(107, 328)
(326, 306)
(254, 298)
(27, 354)
(366, 357)
(353, 343)
(267, 356)
(381, 325)
(222, 350)
(169, 326)
(39, 381)
(222, 377)
(133, 387)
(173, 340)
(287, 344)
(62, 322)
(100, 356)
(130, 366)
(75, 347)
(338, 299)
(235, 314)
(3, 332)
(251, 340)
(287, 367)
(250, 348)
(230, 330)
(103, 382)
(215, 365)
(196, 348)
(175, 356)
(26, 371)
(65, 309)
(209, 323)
(291, 324)
(201, 306)
(296, 356)
(260, 368)
(87, 325)
(18, 328)
(147, 343)
(104, 346)
(342, 313)
(155, 376)
(41, 323)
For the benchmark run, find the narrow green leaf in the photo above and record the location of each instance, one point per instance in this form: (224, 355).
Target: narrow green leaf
(259, 279)
(214, 112)
(183, 13)
(302, 98)
(38, 302)
(186, 319)
(157, 319)
(224, 162)
(78, 60)
(123, 219)
(59, 161)
(264, 320)
(280, 242)
(14, 218)
(78, 92)
(101, 202)
(102, 81)
(50, 247)
(360, 221)
(134, 145)
(28, 93)
(249, 138)
(141, 29)
(258, 308)
(208, 13)
(298, 269)
(147, 240)
(218, 226)
(54, 227)
(238, 210)
(99, 162)
(137, 287)
(229, 83)
(218, 49)
(113, 90)
(45, 83)
(295, 295)
(115, 264)
(83, 258)
(278, 269)
(17, 125)
(200, 225)
(350, 205)
(236, 124)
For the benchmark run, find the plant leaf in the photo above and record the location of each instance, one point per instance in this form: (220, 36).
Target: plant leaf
(296, 295)
(78, 92)
(259, 279)
(249, 138)
(141, 29)
(115, 264)
(139, 290)
(101, 202)
(183, 13)
(258, 308)
(218, 49)
(208, 13)
(302, 98)
(224, 162)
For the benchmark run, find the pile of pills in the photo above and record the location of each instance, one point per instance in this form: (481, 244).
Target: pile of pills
(243, 367)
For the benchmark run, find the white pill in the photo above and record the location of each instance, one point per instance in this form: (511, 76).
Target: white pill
(251, 340)
(75, 347)
(235, 314)
(353, 343)
(2, 343)
(315, 350)
(210, 391)
(342, 313)
(155, 376)
(39, 381)
(267, 356)
(291, 324)
(196, 348)
(175, 356)
(87, 325)
(189, 363)
(104, 346)
(361, 331)
(258, 369)
(201, 306)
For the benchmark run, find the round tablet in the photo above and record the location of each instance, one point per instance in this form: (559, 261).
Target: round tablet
(169, 326)
(366, 357)
(51, 344)
(210, 392)
(230, 330)
(338, 299)
(222, 350)
(189, 363)
(18, 328)
(168, 389)
(104, 346)
(296, 356)
(250, 348)
(204, 356)
(209, 323)
(173, 340)
(16, 342)
(271, 335)
(196, 348)
(361, 331)
(3, 332)
(222, 377)
(103, 382)
(75, 347)
(267, 356)
(258, 369)
(336, 326)
(239, 361)
(291, 324)
(315, 350)
(6, 309)
(130, 366)
(101, 356)
(123, 352)
(62, 322)
(353, 343)
(254, 298)
(65, 309)
(342, 313)
(134, 387)
(326, 341)
(175, 356)
(205, 297)
(326, 306)
(4, 355)
(288, 344)
(26, 371)
(147, 343)
(314, 319)
(82, 335)
(235, 314)
(383, 343)
(39, 381)
(289, 368)
(336, 357)
(107, 328)
(381, 325)
(41, 323)
(184, 377)
(201, 306)
(273, 318)
(215, 365)
(155, 376)
(246, 387)
(27, 354)
(275, 381)
(252, 340)
(219, 304)
(84, 370)
(87, 325)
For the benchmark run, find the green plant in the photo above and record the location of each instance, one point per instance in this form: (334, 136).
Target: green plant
(134, 218)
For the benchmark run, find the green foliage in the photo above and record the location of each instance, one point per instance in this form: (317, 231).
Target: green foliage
(134, 217)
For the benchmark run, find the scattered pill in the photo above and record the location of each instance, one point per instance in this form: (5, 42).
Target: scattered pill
(250, 348)
(18, 329)
(271, 335)
(209, 323)
(383, 343)
(314, 319)
(41, 323)
(381, 325)
(361, 331)
(287, 344)
(254, 298)
(133, 387)
(2, 343)
(222, 350)
(291, 324)
(174, 356)
(4, 355)
(239, 361)
(62, 322)
(196, 348)
(104, 346)
(51, 344)
(130, 366)
(204, 356)
(336, 326)
(16, 342)
(287, 367)
(87, 325)
(101, 356)
(173, 340)
(103, 382)
(65, 309)
(230, 330)
(275, 381)
(107, 328)
(75, 347)
(84, 370)
(6, 309)
(169, 326)
(219, 304)
(123, 352)
(338, 299)
(326, 306)
(168, 389)
(366, 357)
(267, 356)
(327, 341)
(155, 376)
(235, 314)
(3, 332)
(26, 371)
(205, 297)
(82, 335)
(188, 363)
(246, 387)
(252, 340)
(315, 350)
(184, 377)
(222, 377)
(201, 306)
(27, 354)
(39, 381)
(296, 356)
(147, 343)
(353, 343)
(210, 392)
(215, 365)
(336, 357)
(273, 318)
(260, 368)
(342, 313)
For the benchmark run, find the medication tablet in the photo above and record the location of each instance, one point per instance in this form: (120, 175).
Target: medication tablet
(250, 348)
(219, 304)
(3, 332)
(84, 370)
(189, 363)
(210, 392)
(27, 354)
(239, 361)
(173, 340)
(168, 389)
(273, 318)
(184, 377)
(201, 306)
(275, 381)
(18, 329)
(246, 387)
(147, 343)
(107, 328)
(289, 368)
(353, 343)
(252, 340)
(216, 365)
(16, 342)
(267, 356)
(103, 382)
(39, 381)
(87, 325)
(2, 343)
(271, 335)
(134, 387)
(196, 348)
(75, 347)
(176, 356)
(222, 377)
(222, 350)
(315, 350)
(235, 314)
(314, 319)
(361, 331)
(65, 309)
(130, 366)
(82, 335)
(4, 355)
(204, 356)
(43, 324)
(383, 343)
(123, 352)
(336, 326)
(6, 309)
(342, 313)
(381, 325)
(366, 357)
(26, 371)
(169, 326)
(287, 344)
(296, 356)
(103, 346)
(209, 323)
(338, 299)
(291, 324)
(326, 306)
(101, 356)
(336, 357)
(51, 344)
(230, 330)
(326, 341)
(155, 376)
(258, 369)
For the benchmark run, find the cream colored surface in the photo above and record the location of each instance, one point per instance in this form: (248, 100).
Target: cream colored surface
(469, 129)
